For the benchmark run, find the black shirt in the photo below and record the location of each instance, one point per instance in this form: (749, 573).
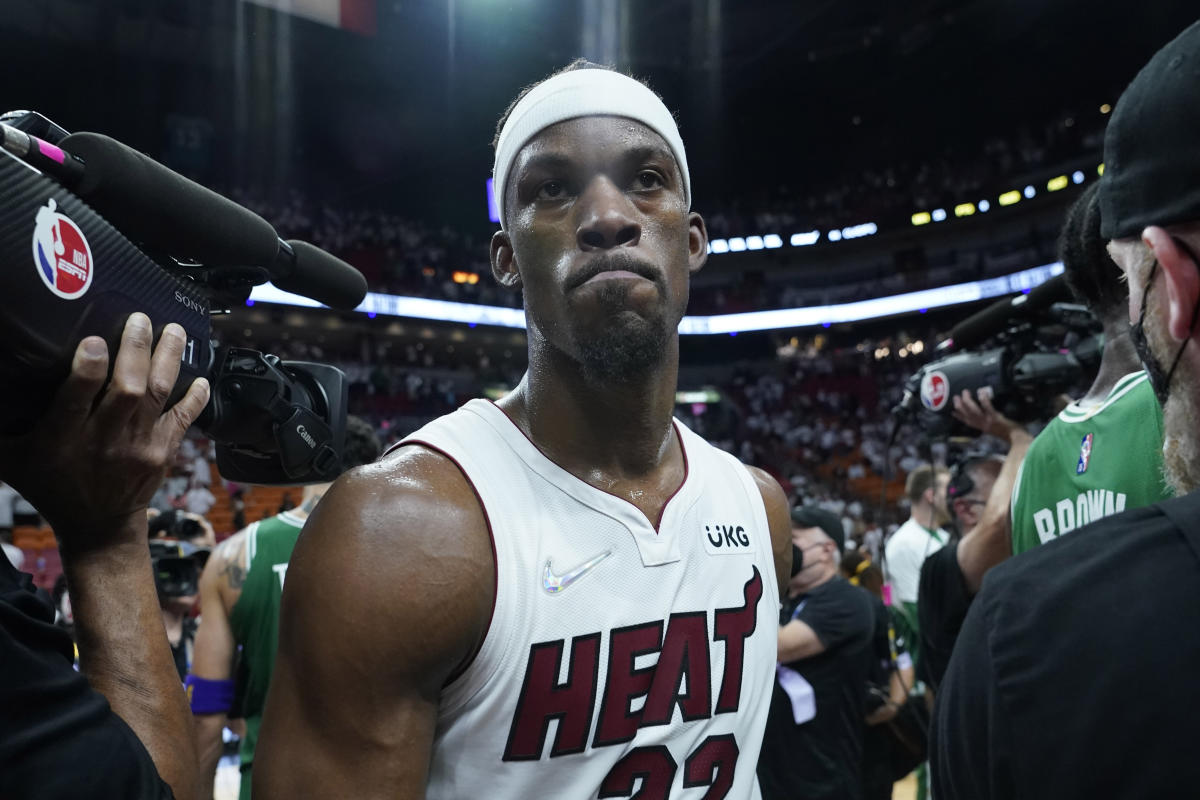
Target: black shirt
(822, 758)
(942, 605)
(1076, 673)
(58, 737)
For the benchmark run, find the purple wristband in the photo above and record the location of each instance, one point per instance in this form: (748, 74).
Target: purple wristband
(209, 697)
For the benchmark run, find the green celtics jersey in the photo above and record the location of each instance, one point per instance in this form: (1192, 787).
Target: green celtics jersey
(255, 616)
(1090, 463)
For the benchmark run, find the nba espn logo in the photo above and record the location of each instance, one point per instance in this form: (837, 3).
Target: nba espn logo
(61, 253)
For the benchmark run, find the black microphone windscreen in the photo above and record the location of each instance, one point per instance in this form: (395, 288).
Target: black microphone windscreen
(982, 325)
(1048, 293)
(165, 210)
(323, 277)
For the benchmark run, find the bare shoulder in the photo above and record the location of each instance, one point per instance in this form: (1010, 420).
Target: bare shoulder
(403, 541)
(779, 518)
(225, 570)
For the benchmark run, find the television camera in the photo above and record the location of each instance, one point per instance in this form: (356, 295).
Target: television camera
(92, 230)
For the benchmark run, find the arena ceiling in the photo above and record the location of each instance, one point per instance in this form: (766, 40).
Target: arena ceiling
(768, 93)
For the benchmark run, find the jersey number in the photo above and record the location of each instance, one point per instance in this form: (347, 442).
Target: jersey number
(711, 764)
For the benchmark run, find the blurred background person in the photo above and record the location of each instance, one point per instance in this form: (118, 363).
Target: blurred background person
(1103, 453)
(813, 745)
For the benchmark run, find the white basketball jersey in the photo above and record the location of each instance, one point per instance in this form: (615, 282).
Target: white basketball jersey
(620, 660)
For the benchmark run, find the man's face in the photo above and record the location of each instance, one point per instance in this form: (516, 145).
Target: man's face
(1181, 414)
(600, 239)
(969, 507)
(819, 553)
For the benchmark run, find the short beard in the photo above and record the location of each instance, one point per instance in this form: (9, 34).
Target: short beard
(1181, 427)
(627, 347)
(1181, 412)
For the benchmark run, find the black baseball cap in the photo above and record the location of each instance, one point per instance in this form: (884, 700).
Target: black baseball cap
(1152, 145)
(817, 517)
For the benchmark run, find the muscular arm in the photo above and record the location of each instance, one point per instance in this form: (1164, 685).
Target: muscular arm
(990, 542)
(389, 592)
(220, 587)
(779, 519)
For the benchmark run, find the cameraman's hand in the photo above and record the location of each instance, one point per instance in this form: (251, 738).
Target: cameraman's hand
(92, 462)
(982, 416)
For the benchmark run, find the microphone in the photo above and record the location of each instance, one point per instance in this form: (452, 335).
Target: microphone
(985, 324)
(167, 211)
(312, 272)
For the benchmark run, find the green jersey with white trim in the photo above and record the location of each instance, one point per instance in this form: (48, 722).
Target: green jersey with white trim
(1090, 463)
(254, 618)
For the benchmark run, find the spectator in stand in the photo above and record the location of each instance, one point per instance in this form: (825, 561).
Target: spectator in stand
(198, 499)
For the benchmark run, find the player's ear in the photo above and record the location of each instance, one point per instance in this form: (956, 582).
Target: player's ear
(697, 242)
(1182, 279)
(504, 261)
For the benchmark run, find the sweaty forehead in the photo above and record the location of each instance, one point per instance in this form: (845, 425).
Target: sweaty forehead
(587, 139)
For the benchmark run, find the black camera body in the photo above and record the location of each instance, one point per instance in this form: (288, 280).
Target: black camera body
(67, 273)
(177, 567)
(1026, 368)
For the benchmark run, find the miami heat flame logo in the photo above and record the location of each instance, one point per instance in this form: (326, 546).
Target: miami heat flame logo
(61, 253)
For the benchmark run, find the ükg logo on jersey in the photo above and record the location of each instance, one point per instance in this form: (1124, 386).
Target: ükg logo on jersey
(61, 254)
(1085, 455)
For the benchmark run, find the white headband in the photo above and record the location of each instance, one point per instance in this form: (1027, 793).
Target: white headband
(583, 93)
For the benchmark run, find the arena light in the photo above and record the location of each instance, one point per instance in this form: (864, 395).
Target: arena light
(805, 239)
(984, 206)
(964, 209)
(870, 309)
(1030, 192)
(859, 231)
(835, 235)
(718, 246)
(772, 240)
(1104, 109)
(1056, 184)
(1100, 169)
(1010, 198)
(460, 276)
(754, 243)
(473, 314)
(921, 218)
(1077, 177)
(737, 244)
(939, 214)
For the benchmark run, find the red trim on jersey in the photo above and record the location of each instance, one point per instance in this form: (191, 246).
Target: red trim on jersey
(661, 511)
(470, 659)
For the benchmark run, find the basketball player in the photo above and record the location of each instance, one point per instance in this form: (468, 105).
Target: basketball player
(1075, 672)
(240, 592)
(566, 592)
(1103, 453)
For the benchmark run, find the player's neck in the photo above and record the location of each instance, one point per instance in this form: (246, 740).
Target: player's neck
(621, 428)
(924, 516)
(1117, 360)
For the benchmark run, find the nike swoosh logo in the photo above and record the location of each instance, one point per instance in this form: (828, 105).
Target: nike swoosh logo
(553, 584)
